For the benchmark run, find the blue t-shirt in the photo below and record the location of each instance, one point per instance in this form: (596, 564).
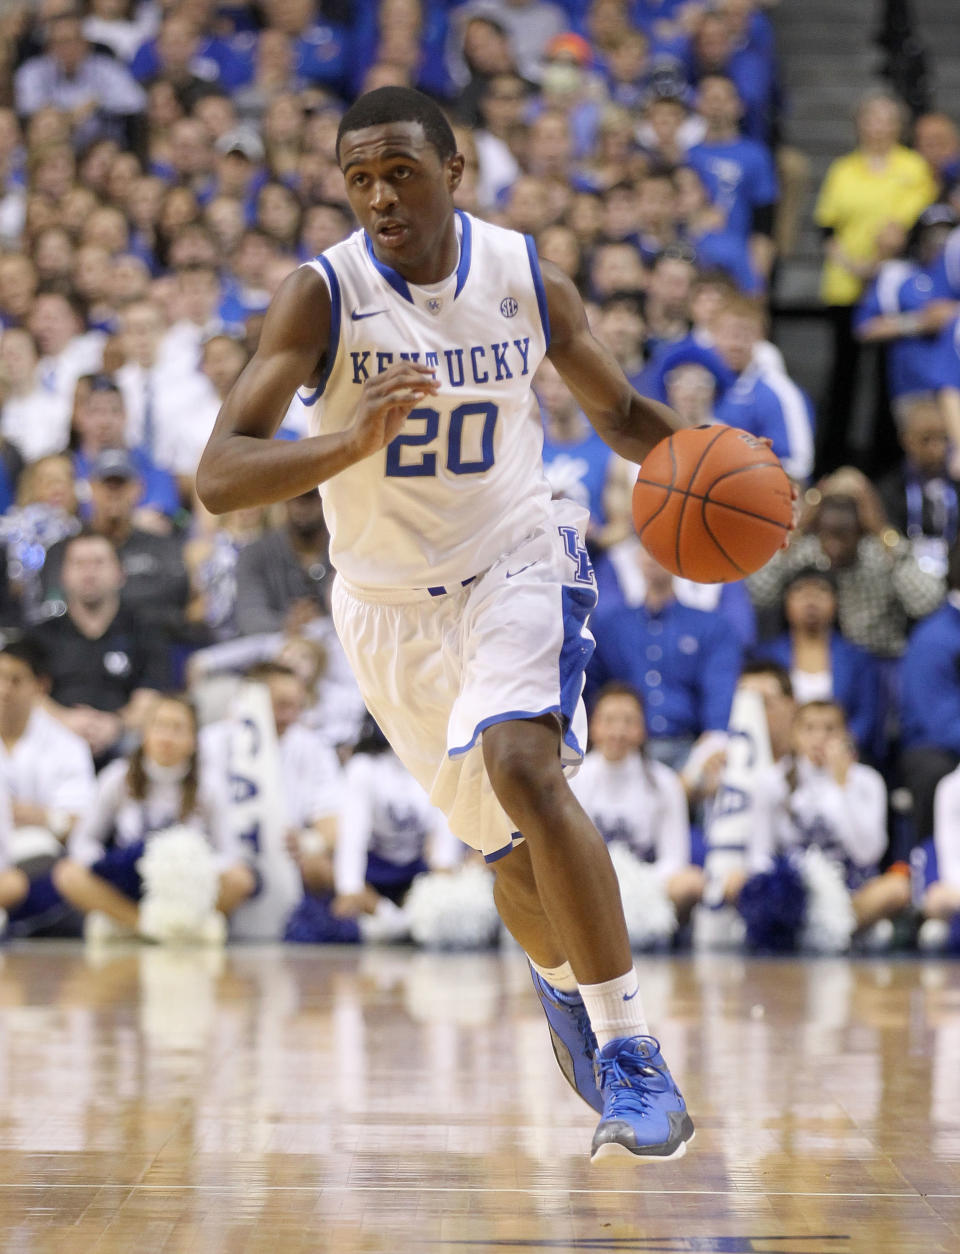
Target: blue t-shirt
(774, 408)
(915, 363)
(230, 62)
(683, 662)
(579, 470)
(739, 176)
(727, 251)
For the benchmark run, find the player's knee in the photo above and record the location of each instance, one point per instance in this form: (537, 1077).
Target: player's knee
(523, 777)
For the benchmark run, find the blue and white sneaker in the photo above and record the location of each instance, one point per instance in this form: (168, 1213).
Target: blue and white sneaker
(574, 1044)
(643, 1112)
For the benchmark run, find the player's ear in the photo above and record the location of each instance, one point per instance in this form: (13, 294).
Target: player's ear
(455, 171)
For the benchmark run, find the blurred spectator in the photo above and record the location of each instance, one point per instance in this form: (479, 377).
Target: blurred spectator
(905, 309)
(713, 51)
(161, 785)
(155, 583)
(389, 833)
(48, 781)
(18, 287)
(637, 800)
(101, 425)
(941, 900)
(937, 139)
(668, 130)
(102, 656)
(621, 581)
(920, 496)
(666, 305)
(737, 171)
(97, 91)
(283, 578)
(162, 397)
(823, 665)
(577, 462)
(197, 303)
(821, 796)
(45, 513)
(766, 403)
(484, 52)
(67, 349)
(222, 361)
(322, 46)
(930, 702)
(622, 330)
(880, 585)
(704, 227)
(211, 560)
(683, 661)
(28, 420)
(656, 216)
(120, 25)
(502, 106)
(866, 196)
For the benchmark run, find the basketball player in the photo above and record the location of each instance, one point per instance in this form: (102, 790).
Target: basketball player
(463, 590)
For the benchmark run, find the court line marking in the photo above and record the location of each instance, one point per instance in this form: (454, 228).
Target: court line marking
(373, 1188)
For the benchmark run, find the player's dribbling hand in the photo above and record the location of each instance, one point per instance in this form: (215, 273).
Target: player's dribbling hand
(386, 401)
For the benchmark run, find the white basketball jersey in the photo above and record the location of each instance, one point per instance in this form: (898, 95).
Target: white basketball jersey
(463, 482)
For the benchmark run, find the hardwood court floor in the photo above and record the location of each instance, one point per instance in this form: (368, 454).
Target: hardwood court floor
(280, 1101)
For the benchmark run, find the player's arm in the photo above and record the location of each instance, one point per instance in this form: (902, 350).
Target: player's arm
(630, 423)
(242, 464)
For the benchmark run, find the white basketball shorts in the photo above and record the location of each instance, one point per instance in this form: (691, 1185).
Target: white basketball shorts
(436, 666)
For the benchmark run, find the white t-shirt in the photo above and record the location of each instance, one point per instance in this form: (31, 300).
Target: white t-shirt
(49, 766)
(639, 802)
(38, 423)
(386, 812)
(115, 811)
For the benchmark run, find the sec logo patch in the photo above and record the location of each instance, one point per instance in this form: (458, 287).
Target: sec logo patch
(508, 307)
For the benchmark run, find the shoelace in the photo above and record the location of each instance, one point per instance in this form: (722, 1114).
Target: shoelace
(629, 1085)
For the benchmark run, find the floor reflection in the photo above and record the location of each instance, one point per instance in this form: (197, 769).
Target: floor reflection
(392, 1100)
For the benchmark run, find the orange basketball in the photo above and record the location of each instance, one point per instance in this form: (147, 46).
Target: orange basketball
(712, 503)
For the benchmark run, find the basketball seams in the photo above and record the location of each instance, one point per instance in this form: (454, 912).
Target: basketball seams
(667, 488)
(686, 491)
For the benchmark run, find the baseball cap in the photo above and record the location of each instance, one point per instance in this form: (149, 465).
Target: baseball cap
(569, 44)
(243, 141)
(113, 463)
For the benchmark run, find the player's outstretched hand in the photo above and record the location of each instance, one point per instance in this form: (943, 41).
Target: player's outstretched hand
(386, 401)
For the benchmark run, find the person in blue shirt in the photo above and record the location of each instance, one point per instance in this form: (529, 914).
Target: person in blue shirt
(684, 662)
(907, 306)
(100, 421)
(737, 171)
(704, 227)
(712, 51)
(576, 460)
(823, 665)
(930, 702)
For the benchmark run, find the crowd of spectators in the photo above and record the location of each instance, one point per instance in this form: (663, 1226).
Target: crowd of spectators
(166, 163)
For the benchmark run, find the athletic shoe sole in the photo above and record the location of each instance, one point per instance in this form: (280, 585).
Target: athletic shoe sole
(613, 1151)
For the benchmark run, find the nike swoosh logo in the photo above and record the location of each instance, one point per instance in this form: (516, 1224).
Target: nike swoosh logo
(511, 573)
(630, 996)
(373, 313)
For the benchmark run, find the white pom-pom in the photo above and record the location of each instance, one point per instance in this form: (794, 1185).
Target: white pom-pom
(387, 925)
(830, 921)
(453, 911)
(180, 885)
(651, 918)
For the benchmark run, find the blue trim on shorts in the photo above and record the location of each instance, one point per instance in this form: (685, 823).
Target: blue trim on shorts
(504, 849)
(333, 344)
(578, 604)
(507, 716)
(538, 286)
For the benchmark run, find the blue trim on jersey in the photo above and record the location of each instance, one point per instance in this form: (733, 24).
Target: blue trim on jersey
(333, 344)
(396, 281)
(538, 286)
(504, 849)
(466, 249)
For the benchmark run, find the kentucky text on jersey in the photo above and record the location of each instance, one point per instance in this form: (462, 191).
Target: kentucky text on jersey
(480, 363)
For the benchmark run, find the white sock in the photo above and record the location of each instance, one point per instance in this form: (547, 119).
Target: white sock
(615, 1008)
(560, 978)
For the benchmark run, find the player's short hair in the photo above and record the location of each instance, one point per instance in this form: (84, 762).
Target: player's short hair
(763, 666)
(400, 104)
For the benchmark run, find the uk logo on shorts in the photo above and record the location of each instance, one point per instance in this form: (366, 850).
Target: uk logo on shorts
(509, 307)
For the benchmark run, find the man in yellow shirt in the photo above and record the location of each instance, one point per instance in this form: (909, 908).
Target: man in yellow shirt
(869, 199)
